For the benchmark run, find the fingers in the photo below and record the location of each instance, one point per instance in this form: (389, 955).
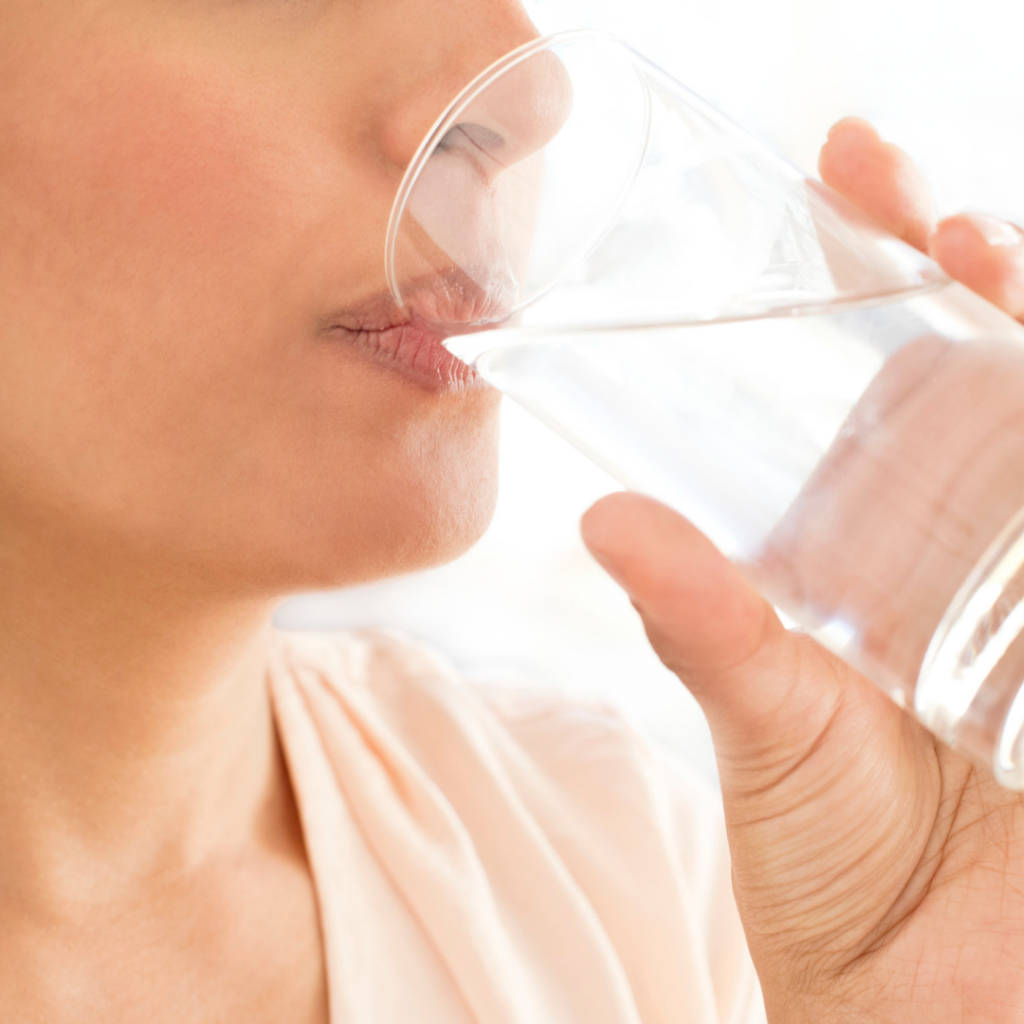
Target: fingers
(710, 627)
(881, 179)
(675, 575)
(986, 255)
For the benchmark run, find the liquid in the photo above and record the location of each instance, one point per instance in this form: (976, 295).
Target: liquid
(859, 464)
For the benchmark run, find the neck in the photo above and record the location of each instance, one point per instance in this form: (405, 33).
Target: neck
(136, 739)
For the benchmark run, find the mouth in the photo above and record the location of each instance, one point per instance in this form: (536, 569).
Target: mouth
(415, 352)
(381, 331)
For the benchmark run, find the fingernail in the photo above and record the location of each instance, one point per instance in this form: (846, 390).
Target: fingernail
(997, 232)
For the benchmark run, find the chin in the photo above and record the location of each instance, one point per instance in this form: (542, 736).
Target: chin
(381, 480)
(377, 551)
(419, 523)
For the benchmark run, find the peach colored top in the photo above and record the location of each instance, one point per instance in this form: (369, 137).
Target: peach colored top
(500, 857)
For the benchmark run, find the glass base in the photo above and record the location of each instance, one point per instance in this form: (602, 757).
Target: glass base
(969, 691)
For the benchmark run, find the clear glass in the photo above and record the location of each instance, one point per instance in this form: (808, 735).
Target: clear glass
(726, 334)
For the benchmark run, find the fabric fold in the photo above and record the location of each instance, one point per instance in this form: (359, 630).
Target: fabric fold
(535, 846)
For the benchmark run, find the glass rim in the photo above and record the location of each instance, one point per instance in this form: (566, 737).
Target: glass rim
(457, 107)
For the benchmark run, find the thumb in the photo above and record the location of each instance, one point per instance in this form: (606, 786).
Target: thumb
(830, 792)
(769, 695)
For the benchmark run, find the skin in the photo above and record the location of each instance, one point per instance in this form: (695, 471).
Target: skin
(879, 875)
(191, 195)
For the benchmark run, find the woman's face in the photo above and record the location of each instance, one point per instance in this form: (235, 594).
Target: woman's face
(193, 202)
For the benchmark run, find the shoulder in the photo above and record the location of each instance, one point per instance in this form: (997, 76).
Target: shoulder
(530, 783)
(574, 764)
(584, 744)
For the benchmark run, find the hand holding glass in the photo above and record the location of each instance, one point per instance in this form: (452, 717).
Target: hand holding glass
(729, 336)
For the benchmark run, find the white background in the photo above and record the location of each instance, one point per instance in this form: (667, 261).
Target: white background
(943, 78)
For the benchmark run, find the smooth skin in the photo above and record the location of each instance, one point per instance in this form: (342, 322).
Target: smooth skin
(880, 877)
(191, 192)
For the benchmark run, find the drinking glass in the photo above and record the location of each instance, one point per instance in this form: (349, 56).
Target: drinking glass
(721, 331)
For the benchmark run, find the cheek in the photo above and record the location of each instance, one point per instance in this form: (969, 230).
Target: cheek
(155, 189)
(156, 235)
(138, 230)
(178, 197)
(174, 237)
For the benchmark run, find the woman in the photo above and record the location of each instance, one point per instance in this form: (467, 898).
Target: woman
(206, 405)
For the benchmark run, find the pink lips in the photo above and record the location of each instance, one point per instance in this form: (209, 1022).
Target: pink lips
(382, 331)
(416, 352)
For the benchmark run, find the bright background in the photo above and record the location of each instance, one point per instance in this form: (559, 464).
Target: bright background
(943, 78)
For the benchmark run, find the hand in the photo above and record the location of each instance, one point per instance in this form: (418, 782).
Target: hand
(880, 877)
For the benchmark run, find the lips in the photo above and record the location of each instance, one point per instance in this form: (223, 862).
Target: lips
(414, 351)
(380, 330)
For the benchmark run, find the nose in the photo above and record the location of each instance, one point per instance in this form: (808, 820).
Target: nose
(519, 114)
(466, 229)
(516, 115)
